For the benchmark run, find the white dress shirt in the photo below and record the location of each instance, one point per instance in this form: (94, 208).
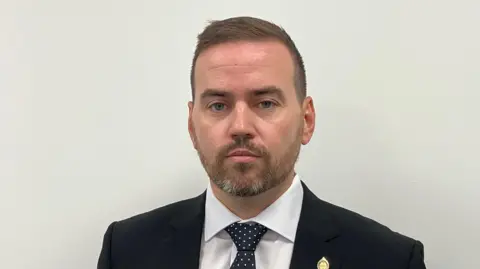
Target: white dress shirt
(275, 248)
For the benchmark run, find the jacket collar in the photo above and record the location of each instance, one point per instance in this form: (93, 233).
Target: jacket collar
(315, 233)
(280, 217)
(187, 229)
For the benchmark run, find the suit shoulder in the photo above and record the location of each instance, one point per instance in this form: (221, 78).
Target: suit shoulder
(361, 237)
(367, 230)
(129, 240)
(159, 217)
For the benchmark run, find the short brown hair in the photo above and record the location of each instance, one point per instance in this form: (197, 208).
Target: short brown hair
(249, 29)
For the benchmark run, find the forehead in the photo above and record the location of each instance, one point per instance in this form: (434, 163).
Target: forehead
(239, 66)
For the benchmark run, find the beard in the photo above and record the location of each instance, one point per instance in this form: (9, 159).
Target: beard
(252, 178)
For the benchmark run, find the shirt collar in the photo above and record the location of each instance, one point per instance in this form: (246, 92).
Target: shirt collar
(282, 216)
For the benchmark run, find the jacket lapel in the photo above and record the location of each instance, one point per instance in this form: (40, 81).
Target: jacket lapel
(316, 230)
(185, 242)
(315, 233)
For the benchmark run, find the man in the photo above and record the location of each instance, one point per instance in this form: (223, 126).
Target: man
(248, 118)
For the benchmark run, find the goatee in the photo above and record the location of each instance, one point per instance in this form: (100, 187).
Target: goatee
(244, 179)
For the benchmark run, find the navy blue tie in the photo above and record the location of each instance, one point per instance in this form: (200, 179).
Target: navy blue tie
(246, 237)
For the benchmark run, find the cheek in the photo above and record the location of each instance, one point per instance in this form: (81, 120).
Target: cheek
(282, 129)
(277, 136)
(209, 138)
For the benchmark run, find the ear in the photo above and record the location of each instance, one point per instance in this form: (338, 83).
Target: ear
(308, 120)
(191, 128)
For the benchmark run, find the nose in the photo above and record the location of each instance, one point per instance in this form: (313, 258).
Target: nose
(241, 122)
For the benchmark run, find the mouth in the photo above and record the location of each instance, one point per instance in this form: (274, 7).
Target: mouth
(242, 155)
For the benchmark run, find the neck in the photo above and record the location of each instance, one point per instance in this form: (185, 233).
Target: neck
(249, 207)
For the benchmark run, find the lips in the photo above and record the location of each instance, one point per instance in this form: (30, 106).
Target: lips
(241, 153)
(242, 156)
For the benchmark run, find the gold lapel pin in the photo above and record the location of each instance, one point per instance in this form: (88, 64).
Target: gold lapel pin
(323, 264)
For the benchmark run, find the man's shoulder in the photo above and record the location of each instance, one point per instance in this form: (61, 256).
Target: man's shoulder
(365, 230)
(129, 240)
(358, 236)
(160, 217)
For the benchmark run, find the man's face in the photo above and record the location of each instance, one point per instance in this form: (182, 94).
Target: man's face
(246, 122)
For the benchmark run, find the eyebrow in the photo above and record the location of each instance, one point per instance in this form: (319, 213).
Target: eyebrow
(214, 93)
(268, 90)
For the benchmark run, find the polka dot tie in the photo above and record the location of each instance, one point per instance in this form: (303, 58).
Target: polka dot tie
(246, 237)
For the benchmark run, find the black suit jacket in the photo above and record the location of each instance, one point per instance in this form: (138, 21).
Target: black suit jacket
(169, 237)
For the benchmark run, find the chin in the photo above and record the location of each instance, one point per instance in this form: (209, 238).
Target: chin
(242, 185)
(249, 191)
(250, 186)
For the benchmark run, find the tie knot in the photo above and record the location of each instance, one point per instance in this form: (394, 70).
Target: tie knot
(246, 235)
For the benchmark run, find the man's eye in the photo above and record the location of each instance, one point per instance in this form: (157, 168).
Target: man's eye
(266, 104)
(217, 107)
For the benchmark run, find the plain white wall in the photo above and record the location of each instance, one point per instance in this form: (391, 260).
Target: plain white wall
(93, 116)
